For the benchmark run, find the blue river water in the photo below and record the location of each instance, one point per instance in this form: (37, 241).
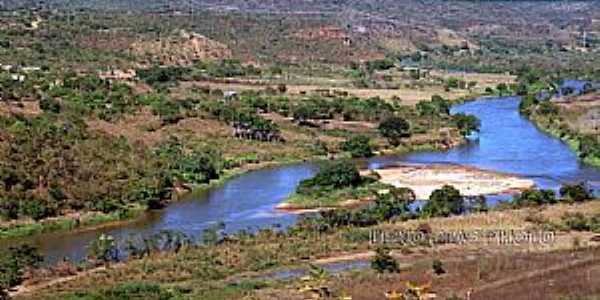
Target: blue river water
(507, 142)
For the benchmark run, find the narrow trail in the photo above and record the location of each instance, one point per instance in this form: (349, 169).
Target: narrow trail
(28, 289)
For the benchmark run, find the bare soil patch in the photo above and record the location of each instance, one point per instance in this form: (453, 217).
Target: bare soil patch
(424, 179)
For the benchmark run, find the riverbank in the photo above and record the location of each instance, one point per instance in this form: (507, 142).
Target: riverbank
(341, 246)
(98, 220)
(70, 222)
(572, 121)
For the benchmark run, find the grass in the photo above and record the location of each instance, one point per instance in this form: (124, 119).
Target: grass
(208, 272)
(64, 223)
(335, 197)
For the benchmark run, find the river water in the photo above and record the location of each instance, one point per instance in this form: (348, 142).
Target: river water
(507, 142)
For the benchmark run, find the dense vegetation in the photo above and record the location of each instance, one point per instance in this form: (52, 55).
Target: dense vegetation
(14, 262)
(53, 163)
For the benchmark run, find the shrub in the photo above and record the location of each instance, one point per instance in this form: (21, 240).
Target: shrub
(394, 129)
(9, 209)
(13, 264)
(437, 106)
(502, 88)
(380, 65)
(443, 203)
(200, 165)
(358, 146)
(383, 262)
(466, 123)
(282, 88)
(576, 221)
(50, 105)
(452, 83)
(547, 108)
(575, 192)
(168, 111)
(157, 76)
(231, 68)
(127, 291)
(138, 291)
(527, 103)
(533, 197)
(390, 205)
(338, 174)
(38, 209)
(104, 249)
(438, 267)
(589, 146)
(386, 207)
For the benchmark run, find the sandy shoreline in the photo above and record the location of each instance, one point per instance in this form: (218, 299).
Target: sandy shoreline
(470, 181)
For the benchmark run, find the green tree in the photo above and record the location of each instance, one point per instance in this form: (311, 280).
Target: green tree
(104, 249)
(437, 106)
(444, 202)
(13, 264)
(383, 262)
(527, 103)
(452, 83)
(438, 267)
(395, 203)
(466, 124)
(575, 192)
(394, 129)
(359, 146)
(50, 105)
(533, 197)
(502, 89)
(337, 174)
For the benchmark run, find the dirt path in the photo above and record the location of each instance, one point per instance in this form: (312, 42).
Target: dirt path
(29, 289)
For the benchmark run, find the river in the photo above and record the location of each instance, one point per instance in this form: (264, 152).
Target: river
(507, 142)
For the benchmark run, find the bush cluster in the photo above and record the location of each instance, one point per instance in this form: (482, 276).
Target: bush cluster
(53, 164)
(13, 263)
(339, 174)
(358, 146)
(444, 202)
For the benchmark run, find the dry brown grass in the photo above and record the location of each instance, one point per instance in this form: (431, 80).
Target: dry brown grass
(582, 113)
(482, 79)
(146, 128)
(28, 108)
(490, 269)
(408, 95)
